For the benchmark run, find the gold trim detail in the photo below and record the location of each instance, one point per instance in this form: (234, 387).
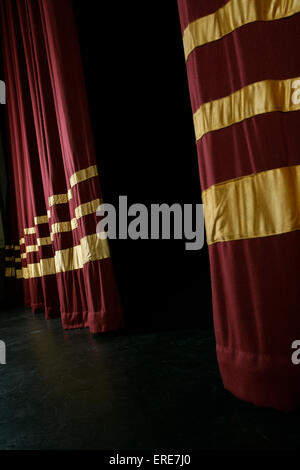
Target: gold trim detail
(19, 273)
(10, 272)
(87, 208)
(29, 231)
(13, 247)
(58, 199)
(232, 16)
(80, 211)
(44, 241)
(59, 227)
(91, 248)
(41, 219)
(83, 175)
(258, 98)
(257, 205)
(78, 177)
(66, 226)
(74, 224)
(44, 268)
(32, 248)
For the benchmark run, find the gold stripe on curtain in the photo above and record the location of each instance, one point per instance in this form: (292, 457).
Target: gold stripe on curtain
(59, 199)
(254, 99)
(67, 226)
(78, 177)
(32, 248)
(232, 16)
(12, 260)
(44, 241)
(91, 248)
(87, 208)
(257, 205)
(10, 272)
(41, 219)
(83, 175)
(29, 231)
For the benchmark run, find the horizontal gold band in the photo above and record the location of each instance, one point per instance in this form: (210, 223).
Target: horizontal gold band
(80, 211)
(258, 205)
(76, 178)
(87, 208)
(12, 258)
(58, 199)
(44, 268)
(23, 255)
(59, 227)
(44, 241)
(41, 219)
(83, 175)
(22, 241)
(66, 226)
(19, 273)
(74, 224)
(32, 248)
(232, 16)
(29, 231)
(10, 272)
(258, 98)
(91, 248)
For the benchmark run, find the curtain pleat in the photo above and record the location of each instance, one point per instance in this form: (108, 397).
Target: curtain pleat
(66, 269)
(244, 84)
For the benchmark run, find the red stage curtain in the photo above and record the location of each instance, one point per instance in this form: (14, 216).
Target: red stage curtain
(66, 269)
(244, 81)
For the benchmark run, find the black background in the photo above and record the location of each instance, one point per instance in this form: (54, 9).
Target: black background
(142, 121)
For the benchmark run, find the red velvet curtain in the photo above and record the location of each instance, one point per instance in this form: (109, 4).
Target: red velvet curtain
(243, 73)
(66, 269)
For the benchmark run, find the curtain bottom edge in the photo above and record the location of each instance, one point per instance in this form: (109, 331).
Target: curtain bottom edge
(96, 322)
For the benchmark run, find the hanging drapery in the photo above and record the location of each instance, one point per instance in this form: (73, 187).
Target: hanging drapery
(66, 269)
(3, 251)
(244, 81)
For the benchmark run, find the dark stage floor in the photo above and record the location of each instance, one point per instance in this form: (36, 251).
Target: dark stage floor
(135, 390)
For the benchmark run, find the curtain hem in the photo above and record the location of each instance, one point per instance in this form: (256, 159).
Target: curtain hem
(264, 380)
(95, 321)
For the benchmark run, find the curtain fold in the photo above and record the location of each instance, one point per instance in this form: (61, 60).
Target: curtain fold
(244, 83)
(66, 270)
(3, 189)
